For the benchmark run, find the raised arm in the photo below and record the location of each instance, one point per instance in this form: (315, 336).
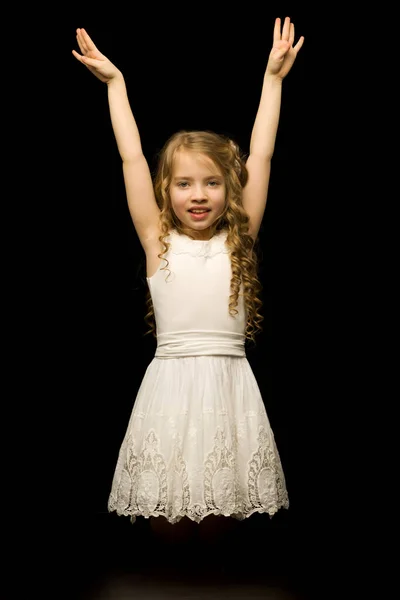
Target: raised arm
(138, 183)
(262, 143)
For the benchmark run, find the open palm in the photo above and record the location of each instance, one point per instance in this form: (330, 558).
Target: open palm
(93, 59)
(283, 53)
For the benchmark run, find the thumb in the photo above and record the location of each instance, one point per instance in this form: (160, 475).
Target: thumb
(282, 51)
(91, 62)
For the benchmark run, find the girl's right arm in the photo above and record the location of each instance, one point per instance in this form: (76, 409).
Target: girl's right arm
(138, 183)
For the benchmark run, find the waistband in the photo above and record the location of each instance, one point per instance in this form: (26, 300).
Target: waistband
(200, 343)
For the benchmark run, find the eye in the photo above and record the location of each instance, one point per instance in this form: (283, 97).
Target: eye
(182, 183)
(213, 183)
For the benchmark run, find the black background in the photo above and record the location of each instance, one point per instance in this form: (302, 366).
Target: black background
(201, 70)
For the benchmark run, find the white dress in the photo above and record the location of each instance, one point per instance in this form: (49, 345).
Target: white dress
(198, 441)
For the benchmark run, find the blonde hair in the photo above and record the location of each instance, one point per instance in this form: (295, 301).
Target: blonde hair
(227, 156)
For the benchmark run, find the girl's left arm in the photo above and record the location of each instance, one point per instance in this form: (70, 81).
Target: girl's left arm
(262, 143)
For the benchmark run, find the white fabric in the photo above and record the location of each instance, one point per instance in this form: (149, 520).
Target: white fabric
(199, 441)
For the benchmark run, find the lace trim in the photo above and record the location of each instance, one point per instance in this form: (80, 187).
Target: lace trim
(182, 244)
(142, 485)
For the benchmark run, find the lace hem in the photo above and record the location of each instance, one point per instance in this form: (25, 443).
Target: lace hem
(196, 517)
(146, 484)
(199, 248)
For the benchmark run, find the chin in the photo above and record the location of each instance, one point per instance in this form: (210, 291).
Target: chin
(199, 225)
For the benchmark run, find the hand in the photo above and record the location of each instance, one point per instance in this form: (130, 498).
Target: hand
(95, 61)
(283, 53)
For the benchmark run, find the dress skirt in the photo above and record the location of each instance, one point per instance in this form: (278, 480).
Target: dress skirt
(198, 442)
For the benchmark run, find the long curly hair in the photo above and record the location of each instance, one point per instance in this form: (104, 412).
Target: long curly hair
(228, 157)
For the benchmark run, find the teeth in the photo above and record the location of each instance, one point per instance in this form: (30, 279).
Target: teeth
(199, 211)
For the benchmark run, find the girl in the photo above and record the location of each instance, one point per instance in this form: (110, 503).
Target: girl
(199, 441)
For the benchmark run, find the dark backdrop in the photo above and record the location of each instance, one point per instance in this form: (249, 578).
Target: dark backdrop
(202, 72)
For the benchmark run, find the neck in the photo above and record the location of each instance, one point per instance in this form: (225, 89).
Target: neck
(197, 235)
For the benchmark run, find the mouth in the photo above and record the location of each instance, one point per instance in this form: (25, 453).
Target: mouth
(199, 214)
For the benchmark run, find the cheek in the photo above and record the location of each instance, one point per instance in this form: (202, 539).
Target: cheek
(220, 200)
(178, 203)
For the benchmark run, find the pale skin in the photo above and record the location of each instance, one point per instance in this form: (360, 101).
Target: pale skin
(197, 184)
(142, 204)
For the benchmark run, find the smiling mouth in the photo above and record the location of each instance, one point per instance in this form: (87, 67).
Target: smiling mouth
(199, 211)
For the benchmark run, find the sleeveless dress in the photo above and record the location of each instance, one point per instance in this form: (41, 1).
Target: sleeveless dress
(198, 441)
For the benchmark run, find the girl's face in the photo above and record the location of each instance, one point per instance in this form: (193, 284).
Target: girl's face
(196, 184)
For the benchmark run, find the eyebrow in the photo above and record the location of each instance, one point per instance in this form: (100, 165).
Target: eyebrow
(191, 178)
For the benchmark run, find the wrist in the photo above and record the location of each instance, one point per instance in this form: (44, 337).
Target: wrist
(272, 79)
(116, 79)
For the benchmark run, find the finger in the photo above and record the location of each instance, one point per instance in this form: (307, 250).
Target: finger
(77, 56)
(88, 41)
(80, 43)
(299, 44)
(277, 30)
(286, 29)
(291, 34)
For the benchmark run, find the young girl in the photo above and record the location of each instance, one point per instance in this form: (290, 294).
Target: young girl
(199, 441)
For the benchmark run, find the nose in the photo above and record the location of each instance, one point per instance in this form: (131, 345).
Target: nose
(199, 194)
